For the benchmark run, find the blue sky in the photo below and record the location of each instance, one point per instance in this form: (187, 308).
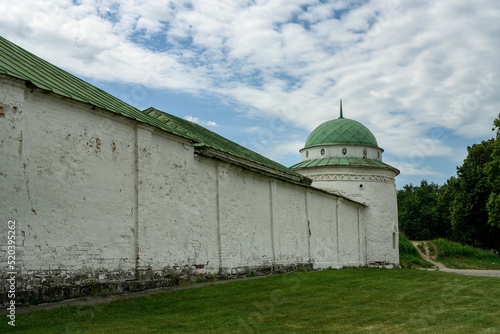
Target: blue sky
(421, 75)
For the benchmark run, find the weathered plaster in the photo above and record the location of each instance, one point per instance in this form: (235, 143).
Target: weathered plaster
(378, 221)
(101, 198)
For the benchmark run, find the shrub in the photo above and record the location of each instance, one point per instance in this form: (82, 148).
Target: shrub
(448, 248)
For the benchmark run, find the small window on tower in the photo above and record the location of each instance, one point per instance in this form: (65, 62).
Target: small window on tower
(322, 151)
(307, 154)
(365, 152)
(344, 151)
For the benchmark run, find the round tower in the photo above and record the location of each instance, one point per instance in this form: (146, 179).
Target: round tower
(342, 156)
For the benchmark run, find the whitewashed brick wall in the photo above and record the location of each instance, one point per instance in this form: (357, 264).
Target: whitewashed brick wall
(97, 196)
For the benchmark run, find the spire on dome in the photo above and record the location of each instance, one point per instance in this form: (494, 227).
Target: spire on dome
(341, 113)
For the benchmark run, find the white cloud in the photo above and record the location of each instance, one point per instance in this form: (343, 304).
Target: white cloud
(283, 149)
(414, 169)
(380, 95)
(200, 121)
(401, 67)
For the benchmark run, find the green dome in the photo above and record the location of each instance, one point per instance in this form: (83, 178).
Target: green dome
(341, 131)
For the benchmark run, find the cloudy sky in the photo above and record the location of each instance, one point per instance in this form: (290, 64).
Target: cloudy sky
(423, 76)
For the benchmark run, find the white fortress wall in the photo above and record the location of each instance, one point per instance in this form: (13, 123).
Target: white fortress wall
(97, 196)
(245, 218)
(322, 217)
(177, 214)
(376, 188)
(351, 249)
(68, 181)
(290, 223)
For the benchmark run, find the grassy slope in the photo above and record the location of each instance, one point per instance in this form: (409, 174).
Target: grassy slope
(408, 255)
(348, 301)
(455, 255)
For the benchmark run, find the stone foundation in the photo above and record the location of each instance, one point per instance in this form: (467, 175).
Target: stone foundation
(52, 287)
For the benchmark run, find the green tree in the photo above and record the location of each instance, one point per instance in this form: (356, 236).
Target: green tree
(492, 169)
(445, 199)
(419, 213)
(471, 192)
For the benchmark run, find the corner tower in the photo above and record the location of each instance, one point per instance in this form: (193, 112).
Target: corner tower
(342, 156)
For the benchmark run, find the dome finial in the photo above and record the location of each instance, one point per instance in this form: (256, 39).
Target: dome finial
(341, 113)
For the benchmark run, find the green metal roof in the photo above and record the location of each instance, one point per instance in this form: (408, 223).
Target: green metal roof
(341, 131)
(19, 63)
(204, 137)
(349, 162)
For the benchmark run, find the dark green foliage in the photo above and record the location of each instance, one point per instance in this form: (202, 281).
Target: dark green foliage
(471, 191)
(420, 215)
(493, 207)
(492, 170)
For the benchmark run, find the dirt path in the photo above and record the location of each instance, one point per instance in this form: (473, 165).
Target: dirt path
(426, 257)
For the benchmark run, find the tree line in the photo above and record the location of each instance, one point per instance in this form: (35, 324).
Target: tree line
(466, 208)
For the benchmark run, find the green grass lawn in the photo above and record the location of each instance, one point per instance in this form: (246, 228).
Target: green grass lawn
(342, 301)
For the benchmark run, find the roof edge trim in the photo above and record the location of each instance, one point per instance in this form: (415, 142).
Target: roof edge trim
(342, 144)
(380, 165)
